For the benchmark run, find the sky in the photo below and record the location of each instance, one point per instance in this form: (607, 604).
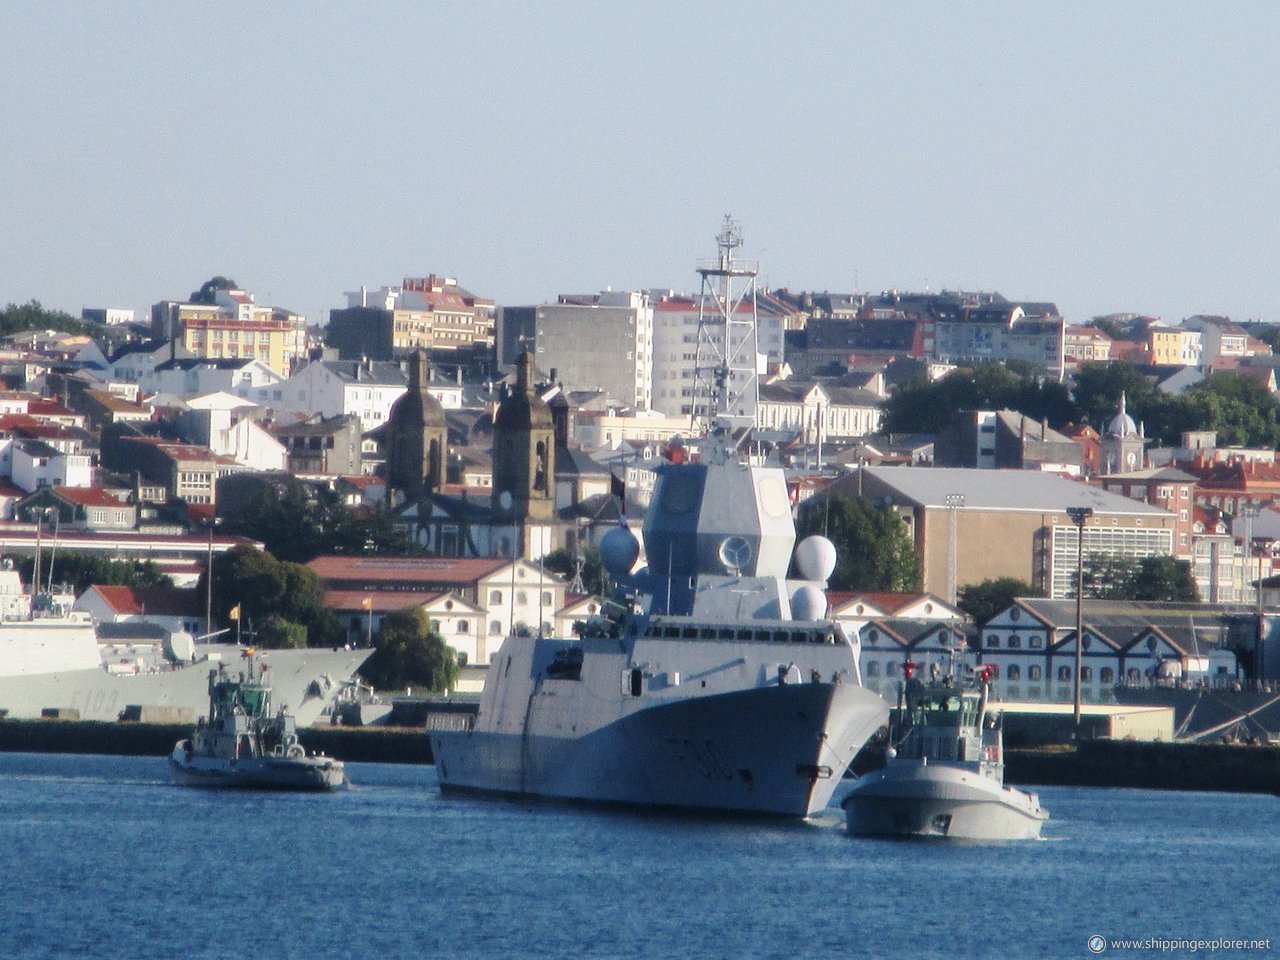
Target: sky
(1106, 157)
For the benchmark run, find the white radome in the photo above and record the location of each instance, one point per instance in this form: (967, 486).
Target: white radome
(808, 603)
(619, 551)
(816, 558)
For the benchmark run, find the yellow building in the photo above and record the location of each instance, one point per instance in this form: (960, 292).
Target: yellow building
(223, 338)
(1174, 346)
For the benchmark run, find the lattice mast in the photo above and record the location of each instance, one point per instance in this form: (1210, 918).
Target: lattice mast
(726, 381)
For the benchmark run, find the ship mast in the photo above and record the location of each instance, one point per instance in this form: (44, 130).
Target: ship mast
(726, 377)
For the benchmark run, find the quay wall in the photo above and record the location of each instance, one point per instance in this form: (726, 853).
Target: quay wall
(1092, 763)
(1229, 768)
(367, 744)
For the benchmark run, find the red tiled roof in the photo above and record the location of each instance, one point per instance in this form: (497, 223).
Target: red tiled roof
(459, 570)
(159, 601)
(88, 496)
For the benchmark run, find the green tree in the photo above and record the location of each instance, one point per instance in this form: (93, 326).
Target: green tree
(264, 587)
(82, 570)
(924, 406)
(1108, 576)
(408, 653)
(1097, 393)
(1165, 579)
(31, 315)
(302, 521)
(208, 292)
(280, 634)
(874, 551)
(984, 600)
(595, 579)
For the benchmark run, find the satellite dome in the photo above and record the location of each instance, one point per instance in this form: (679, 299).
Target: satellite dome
(619, 550)
(816, 558)
(808, 603)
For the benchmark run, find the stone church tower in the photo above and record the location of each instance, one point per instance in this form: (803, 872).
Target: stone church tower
(1122, 444)
(524, 452)
(417, 437)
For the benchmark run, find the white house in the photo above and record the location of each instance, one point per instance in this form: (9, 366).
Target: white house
(366, 388)
(195, 377)
(38, 464)
(239, 437)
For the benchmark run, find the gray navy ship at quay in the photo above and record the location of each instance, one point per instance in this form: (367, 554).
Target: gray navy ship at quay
(51, 659)
(709, 682)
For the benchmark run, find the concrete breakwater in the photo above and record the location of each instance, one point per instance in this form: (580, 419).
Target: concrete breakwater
(1229, 768)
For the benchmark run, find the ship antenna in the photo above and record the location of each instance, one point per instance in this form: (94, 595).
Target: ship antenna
(726, 376)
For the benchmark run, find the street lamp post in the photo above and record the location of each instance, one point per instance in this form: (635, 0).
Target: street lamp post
(953, 502)
(1078, 516)
(211, 524)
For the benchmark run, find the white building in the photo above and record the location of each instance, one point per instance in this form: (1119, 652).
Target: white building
(818, 411)
(231, 435)
(366, 388)
(196, 377)
(605, 430)
(38, 464)
(675, 349)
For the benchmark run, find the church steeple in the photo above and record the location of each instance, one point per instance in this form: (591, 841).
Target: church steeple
(417, 436)
(524, 450)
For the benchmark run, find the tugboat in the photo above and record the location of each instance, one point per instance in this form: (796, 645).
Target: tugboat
(945, 776)
(243, 745)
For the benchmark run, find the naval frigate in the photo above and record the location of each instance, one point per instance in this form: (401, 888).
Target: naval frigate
(52, 659)
(710, 681)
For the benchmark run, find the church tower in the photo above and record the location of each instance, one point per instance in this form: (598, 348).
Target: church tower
(524, 452)
(417, 437)
(1122, 444)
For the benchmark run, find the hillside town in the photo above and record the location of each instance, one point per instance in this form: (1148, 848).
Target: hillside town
(494, 445)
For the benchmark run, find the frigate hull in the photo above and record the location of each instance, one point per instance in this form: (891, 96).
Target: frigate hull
(305, 680)
(775, 751)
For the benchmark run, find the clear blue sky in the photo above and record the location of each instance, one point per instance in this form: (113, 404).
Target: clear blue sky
(1104, 156)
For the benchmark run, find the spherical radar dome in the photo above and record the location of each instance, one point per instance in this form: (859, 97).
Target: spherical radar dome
(619, 550)
(816, 558)
(808, 603)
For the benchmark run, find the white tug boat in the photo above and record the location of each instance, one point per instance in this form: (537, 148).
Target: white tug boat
(944, 768)
(243, 745)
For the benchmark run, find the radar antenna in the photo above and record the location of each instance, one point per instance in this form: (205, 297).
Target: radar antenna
(726, 372)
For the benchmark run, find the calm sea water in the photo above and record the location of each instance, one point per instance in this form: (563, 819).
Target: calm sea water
(101, 857)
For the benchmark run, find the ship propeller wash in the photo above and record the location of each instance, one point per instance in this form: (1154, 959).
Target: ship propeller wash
(710, 681)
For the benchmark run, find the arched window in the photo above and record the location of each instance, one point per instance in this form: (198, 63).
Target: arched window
(1034, 672)
(495, 627)
(1086, 674)
(1014, 672)
(873, 669)
(1107, 675)
(1064, 673)
(464, 626)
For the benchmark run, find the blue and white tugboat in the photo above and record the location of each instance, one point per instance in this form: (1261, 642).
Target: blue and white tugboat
(244, 745)
(944, 768)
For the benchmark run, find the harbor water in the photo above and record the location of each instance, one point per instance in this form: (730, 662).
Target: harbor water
(105, 858)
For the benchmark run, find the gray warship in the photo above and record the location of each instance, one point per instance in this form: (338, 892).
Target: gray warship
(944, 769)
(710, 681)
(244, 745)
(51, 658)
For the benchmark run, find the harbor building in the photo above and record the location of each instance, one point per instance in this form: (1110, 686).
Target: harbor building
(975, 525)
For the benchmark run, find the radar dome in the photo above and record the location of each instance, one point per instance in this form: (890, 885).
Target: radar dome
(808, 603)
(816, 558)
(619, 551)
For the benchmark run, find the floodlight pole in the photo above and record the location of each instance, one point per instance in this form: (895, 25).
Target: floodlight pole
(1078, 516)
